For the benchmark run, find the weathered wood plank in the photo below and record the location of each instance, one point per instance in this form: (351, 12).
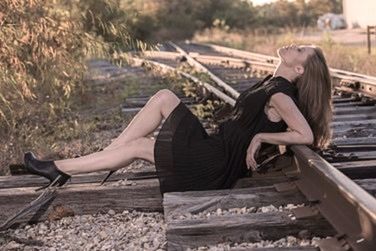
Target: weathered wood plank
(368, 184)
(86, 199)
(30, 180)
(260, 181)
(145, 195)
(359, 155)
(357, 169)
(182, 234)
(141, 101)
(354, 141)
(277, 249)
(126, 109)
(351, 117)
(351, 133)
(354, 125)
(354, 110)
(178, 203)
(348, 104)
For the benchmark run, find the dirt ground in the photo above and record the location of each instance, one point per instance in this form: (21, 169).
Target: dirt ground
(346, 36)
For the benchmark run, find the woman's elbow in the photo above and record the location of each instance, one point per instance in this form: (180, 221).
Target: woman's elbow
(308, 139)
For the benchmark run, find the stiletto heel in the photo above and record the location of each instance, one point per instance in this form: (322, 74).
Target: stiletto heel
(109, 173)
(46, 169)
(59, 180)
(108, 176)
(42, 187)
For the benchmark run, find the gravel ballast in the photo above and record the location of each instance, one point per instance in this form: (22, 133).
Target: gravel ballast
(130, 230)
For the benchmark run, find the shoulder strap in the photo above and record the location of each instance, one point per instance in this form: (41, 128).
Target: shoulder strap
(277, 85)
(237, 110)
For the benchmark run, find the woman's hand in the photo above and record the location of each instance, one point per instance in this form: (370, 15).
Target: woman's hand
(252, 151)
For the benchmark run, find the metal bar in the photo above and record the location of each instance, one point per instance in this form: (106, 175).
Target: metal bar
(359, 82)
(369, 39)
(199, 66)
(210, 88)
(349, 208)
(274, 60)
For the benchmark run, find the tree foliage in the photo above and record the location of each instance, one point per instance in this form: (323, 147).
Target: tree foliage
(179, 19)
(43, 46)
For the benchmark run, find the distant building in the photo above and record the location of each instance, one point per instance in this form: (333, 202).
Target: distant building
(359, 13)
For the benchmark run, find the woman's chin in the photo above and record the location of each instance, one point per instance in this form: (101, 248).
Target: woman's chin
(279, 52)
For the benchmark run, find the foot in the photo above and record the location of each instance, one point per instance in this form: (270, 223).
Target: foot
(45, 168)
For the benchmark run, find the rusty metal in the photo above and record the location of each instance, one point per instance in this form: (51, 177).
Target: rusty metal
(209, 87)
(202, 68)
(285, 186)
(350, 209)
(356, 85)
(273, 60)
(365, 82)
(347, 81)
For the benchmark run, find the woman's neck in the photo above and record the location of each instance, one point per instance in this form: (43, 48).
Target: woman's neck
(285, 72)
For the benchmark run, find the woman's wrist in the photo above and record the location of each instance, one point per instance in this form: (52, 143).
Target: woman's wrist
(259, 137)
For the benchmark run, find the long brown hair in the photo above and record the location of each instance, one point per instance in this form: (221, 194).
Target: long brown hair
(315, 97)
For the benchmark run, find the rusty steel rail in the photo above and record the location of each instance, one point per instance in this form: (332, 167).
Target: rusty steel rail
(348, 207)
(271, 59)
(344, 81)
(268, 67)
(202, 68)
(358, 83)
(197, 81)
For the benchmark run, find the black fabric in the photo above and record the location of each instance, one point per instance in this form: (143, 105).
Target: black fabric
(187, 158)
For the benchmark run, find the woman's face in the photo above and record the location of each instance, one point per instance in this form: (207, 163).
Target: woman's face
(295, 55)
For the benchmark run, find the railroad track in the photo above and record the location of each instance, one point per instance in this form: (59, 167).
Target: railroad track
(340, 183)
(336, 187)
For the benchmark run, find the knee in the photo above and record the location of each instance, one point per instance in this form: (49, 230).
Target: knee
(166, 97)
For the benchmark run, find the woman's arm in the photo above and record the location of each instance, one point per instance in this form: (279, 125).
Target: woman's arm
(299, 131)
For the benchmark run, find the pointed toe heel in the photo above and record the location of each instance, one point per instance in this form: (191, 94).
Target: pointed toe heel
(46, 169)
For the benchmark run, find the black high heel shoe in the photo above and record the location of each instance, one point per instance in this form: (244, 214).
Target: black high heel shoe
(45, 168)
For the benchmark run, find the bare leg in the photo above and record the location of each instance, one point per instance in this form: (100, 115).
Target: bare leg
(159, 106)
(131, 143)
(111, 159)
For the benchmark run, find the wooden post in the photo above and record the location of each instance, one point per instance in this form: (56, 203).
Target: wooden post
(371, 29)
(369, 39)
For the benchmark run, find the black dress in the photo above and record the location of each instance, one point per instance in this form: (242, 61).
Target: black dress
(187, 158)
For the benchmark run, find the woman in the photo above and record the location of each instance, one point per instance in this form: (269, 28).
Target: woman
(297, 96)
